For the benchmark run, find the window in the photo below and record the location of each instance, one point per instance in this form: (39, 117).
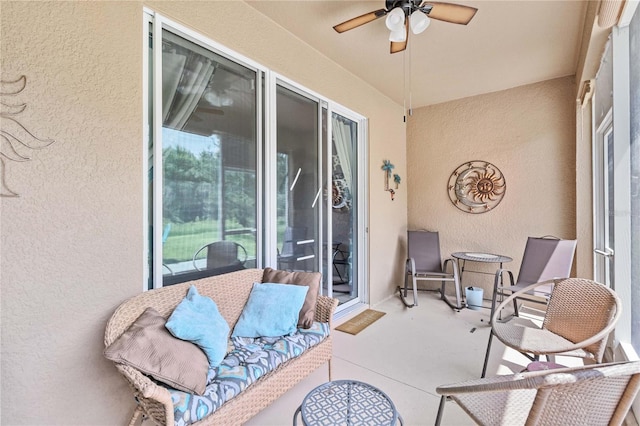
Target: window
(616, 113)
(240, 169)
(207, 190)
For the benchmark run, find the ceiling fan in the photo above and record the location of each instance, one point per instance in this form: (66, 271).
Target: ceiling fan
(400, 17)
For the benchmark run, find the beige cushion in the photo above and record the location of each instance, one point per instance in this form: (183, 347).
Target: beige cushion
(148, 346)
(309, 279)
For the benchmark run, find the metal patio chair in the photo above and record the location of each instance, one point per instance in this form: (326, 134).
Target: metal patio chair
(599, 394)
(222, 254)
(424, 262)
(579, 317)
(296, 248)
(545, 258)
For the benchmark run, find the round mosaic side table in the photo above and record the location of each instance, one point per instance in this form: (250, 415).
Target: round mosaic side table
(347, 402)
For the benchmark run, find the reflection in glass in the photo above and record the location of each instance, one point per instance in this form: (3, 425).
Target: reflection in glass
(209, 162)
(344, 217)
(297, 180)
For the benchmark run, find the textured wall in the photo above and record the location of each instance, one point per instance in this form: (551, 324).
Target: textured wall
(72, 245)
(529, 134)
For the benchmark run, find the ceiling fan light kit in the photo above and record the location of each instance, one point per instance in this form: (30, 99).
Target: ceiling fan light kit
(419, 22)
(395, 20)
(398, 12)
(398, 36)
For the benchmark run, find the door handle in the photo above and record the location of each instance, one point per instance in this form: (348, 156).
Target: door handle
(606, 252)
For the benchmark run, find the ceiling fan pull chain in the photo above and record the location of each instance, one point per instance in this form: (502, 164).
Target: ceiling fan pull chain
(409, 77)
(404, 86)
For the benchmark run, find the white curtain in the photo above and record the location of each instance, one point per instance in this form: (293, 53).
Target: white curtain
(342, 139)
(184, 80)
(172, 66)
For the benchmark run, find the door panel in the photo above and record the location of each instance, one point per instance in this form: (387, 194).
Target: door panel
(298, 182)
(604, 223)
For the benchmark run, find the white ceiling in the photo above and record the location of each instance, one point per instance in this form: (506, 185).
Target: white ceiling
(507, 44)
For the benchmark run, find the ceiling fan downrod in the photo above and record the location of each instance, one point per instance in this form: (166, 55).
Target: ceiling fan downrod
(408, 6)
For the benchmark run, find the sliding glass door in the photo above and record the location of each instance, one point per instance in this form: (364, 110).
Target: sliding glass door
(247, 169)
(298, 181)
(319, 217)
(344, 195)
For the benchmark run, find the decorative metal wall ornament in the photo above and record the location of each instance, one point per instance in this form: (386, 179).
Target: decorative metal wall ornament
(476, 187)
(15, 140)
(340, 192)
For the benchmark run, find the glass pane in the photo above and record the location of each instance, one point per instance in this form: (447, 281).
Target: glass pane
(298, 182)
(609, 215)
(150, 163)
(634, 63)
(209, 162)
(344, 211)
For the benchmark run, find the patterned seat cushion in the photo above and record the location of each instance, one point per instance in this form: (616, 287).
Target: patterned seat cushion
(250, 359)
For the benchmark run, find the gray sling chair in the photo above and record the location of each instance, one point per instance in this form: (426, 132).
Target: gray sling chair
(599, 394)
(425, 263)
(545, 258)
(579, 317)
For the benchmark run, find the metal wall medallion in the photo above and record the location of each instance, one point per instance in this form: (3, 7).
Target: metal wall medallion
(476, 187)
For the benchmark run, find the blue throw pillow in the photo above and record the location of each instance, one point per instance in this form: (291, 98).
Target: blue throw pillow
(197, 320)
(272, 310)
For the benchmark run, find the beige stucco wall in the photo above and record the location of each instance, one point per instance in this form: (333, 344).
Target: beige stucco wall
(72, 244)
(529, 134)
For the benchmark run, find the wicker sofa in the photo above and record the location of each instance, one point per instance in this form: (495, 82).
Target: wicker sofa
(230, 293)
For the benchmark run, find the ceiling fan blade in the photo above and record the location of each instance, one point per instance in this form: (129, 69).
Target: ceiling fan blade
(360, 20)
(449, 12)
(399, 46)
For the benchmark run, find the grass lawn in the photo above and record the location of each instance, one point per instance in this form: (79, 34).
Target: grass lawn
(186, 238)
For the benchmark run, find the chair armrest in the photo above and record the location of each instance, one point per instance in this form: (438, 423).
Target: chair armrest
(410, 266)
(579, 345)
(454, 267)
(537, 379)
(488, 384)
(325, 306)
(499, 276)
(196, 255)
(154, 398)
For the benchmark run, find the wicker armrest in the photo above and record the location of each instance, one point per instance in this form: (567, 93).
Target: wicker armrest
(325, 306)
(537, 379)
(154, 398)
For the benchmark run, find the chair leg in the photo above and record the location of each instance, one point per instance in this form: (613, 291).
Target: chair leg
(456, 284)
(135, 416)
(415, 290)
(443, 296)
(515, 307)
(443, 399)
(404, 291)
(486, 357)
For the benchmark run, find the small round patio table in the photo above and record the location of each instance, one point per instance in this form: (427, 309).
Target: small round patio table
(347, 402)
(482, 258)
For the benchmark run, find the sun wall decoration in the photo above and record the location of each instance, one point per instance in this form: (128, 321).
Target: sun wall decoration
(476, 187)
(16, 142)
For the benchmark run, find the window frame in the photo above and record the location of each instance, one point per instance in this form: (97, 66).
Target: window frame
(266, 145)
(621, 123)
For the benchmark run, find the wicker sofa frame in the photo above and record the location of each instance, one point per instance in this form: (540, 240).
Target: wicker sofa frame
(230, 292)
